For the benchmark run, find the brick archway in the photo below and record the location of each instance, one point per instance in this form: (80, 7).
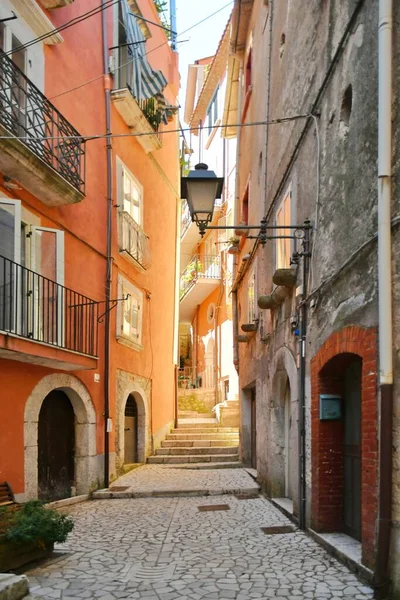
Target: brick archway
(325, 453)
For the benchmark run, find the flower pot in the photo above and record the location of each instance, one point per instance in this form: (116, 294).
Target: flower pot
(14, 556)
(249, 327)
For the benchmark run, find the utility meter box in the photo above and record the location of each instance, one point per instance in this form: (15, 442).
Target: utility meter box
(330, 407)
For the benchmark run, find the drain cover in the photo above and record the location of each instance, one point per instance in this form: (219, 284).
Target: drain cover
(212, 507)
(278, 529)
(247, 496)
(150, 573)
(118, 488)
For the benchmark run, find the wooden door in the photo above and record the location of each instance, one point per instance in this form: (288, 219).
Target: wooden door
(352, 450)
(131, 427)
(253, 430)
(56, 447)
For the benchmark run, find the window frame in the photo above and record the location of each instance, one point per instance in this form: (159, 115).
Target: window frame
(125, 287)
(251, 303)
(121, 169)
(284, 246)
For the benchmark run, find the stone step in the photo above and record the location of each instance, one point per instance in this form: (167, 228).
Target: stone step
(196, 450)
(202, 436)
(198, 443)
(13, 587)
(198, 458)
(200, 425)
(214, 429)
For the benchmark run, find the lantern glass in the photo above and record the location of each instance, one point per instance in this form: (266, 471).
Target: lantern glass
(201, 198)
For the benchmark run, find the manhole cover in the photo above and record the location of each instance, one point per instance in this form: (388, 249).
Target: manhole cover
(278, 529)
(212, 507)
(247, 496)
(119, 488)
(150, 573)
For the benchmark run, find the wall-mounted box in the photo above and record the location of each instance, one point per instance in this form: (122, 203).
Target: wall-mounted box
(330, 407)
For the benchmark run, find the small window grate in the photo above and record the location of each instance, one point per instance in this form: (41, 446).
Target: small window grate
(130, 407)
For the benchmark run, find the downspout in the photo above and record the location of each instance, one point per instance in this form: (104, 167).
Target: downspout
(107, 93)
(381, 579)
(271, 16)
(235, 317)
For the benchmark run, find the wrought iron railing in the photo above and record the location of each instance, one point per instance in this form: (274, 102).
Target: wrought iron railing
(187, 378)
(200, 267)
(39, 309)
(150, 110)
(186, 219)
(26, 113)
(134, 241)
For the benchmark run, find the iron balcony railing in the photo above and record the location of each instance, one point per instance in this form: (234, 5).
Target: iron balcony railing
(25, 112)
(200, 267)
(39, 309)
(186, 219)
(134, 241)
(187, 378)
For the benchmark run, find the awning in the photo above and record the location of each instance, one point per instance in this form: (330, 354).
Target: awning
(145, 81)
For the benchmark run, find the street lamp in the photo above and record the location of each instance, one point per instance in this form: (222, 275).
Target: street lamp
(200, 189)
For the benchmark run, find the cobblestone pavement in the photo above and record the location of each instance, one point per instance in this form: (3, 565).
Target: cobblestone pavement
(166, 549)
(175, 478)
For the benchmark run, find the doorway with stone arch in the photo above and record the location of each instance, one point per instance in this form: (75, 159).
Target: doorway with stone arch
(283, 438)
(133, 427)
(59, 439)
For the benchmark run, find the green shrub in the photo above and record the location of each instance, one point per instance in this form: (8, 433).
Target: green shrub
(38, 525)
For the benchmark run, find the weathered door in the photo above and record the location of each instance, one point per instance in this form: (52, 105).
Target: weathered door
(352, 450)
(288, 426)
(131, 424)
(56, 447)
(253, 429)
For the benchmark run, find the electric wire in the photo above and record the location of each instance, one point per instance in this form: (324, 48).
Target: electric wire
(70, 23)
(89, 138)
(131, 61)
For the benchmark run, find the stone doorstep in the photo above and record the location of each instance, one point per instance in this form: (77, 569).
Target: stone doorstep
(204, 466)
(346, 559)
(165, 459)
(196, 450)
(13, 587)
(172, 493)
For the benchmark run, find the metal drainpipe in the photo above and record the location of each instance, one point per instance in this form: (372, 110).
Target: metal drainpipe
(107, 92)
(385, 68)
(302, 380)
(271, 9)
(235, 317)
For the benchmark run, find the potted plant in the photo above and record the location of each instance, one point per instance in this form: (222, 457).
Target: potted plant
(28, 532)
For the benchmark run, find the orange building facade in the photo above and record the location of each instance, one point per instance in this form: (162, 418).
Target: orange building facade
(207, 371)
(87, 284)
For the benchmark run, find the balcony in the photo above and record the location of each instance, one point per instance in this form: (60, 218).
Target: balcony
(201, 277)
(133, 242)
(52, 169)
(141, 116)
(190, 236)
(43, 322)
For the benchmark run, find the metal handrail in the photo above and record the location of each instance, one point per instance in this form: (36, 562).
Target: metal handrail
(26, 113)
(39, 309)
(199, 267)
(134, 241)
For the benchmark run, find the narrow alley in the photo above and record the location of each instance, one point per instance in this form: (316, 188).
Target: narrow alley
(170, 549)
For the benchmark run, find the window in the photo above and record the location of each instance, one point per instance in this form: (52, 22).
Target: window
(130, 193)
(251, 297)
(248, 73)
(283, 246)
(212, 112)
(129, 321)
(245, 207)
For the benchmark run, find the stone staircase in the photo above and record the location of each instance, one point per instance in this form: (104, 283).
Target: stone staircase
(207, 444)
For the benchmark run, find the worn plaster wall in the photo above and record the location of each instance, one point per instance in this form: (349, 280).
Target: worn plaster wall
(341, 202)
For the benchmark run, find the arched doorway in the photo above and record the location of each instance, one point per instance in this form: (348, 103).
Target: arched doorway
(56, 447)
(131, 431)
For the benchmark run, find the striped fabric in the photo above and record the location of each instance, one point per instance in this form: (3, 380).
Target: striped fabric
(145, 81)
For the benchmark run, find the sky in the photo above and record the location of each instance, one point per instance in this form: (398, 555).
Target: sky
(204, 38)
